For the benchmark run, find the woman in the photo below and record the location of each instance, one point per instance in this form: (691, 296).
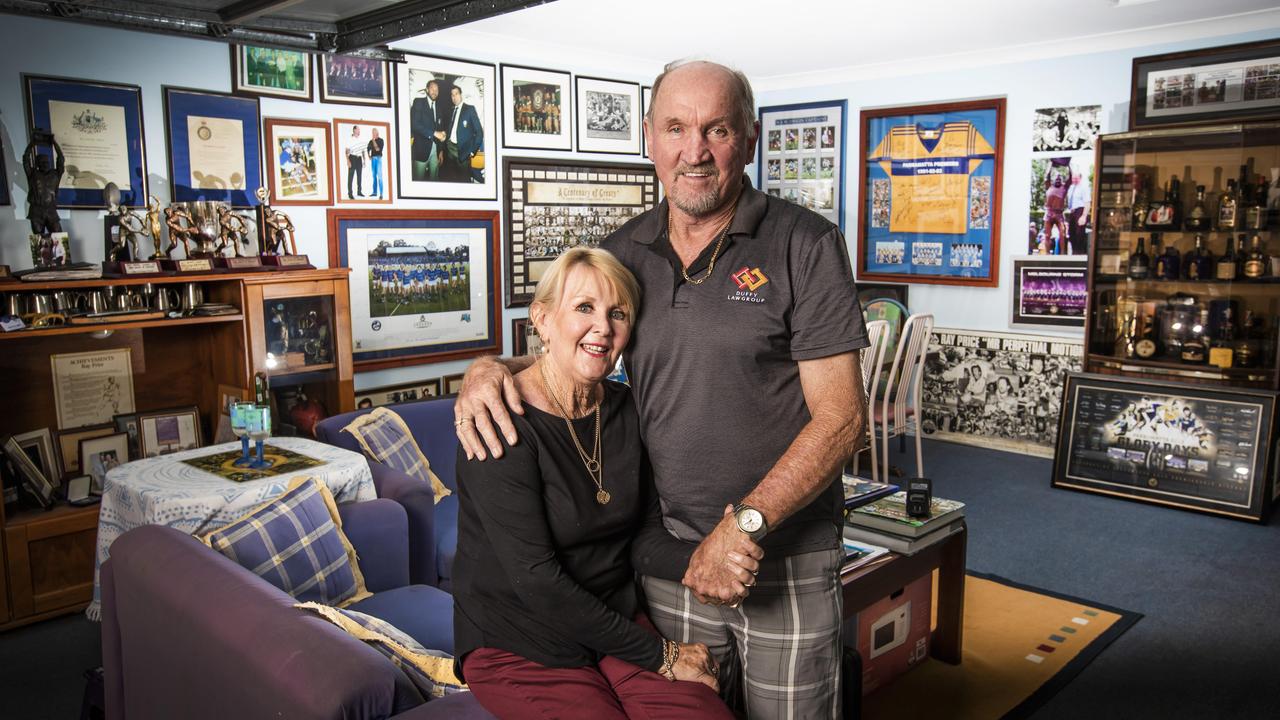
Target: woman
(547, 620)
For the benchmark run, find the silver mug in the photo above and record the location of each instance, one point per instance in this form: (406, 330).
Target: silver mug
(167, 299)
(98, 302)
(192, 296)
(39, 304)
(68, 302)
(13, 304)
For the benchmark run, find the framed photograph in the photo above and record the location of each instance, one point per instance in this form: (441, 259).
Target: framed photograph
(930, 201)
(228, 394)
(168, 431)
(554, 205)
(443, 109)
(362, 163)
(801, 155)
(392, 394)
(127, 423)
(100, 454)
(271, 72)
(524, 338)
(298, 161)
(608, 116)
(1049, 291)
(214, 146)
(352, 80)
(424, 284)
(35, 481)
(38, 446)
(646, 97)
(1211, 85)
(537, 108)
(98, 125)
(68, 442)
(1190, 446)
(453, 384)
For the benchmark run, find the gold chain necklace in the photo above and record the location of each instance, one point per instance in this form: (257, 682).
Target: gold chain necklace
(711, 265)
(594, 462)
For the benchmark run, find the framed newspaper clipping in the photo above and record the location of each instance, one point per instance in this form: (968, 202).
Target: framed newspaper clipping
(801, 155)
(1210, 85)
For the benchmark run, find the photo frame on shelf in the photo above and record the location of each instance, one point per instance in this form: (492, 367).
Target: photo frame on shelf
(1198, 447)
(801, 158)
(271, 72)
(228, 394)
(366, 174)
(68, 442)
(930, 180)
(453, 384)
(354, 80)
(392, 394)
(99, 127)
(1223, 84)
(99, 454)
(215, 146)
(39, 447)
(608, 118)
(128, 423)
(646, 97)
(425, 285)
(524, 338)
(553, 205)
(1049, 291)
(298, 154)
(537, 108)
(169, 431)
(36, 483)
(453, 164)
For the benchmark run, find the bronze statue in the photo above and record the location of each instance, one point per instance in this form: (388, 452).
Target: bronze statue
(280, 240)
(42, 183)
(180, 225)
(134, 225)
(235, 229)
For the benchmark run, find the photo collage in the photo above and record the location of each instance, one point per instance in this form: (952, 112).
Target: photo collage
(802, 157)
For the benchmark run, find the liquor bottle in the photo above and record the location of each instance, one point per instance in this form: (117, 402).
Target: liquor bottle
(1139, 262)
(1198, 215)
(1256, 262)
(1198, 263)
(260, 394)
(1141, 205)
(1228, 266)
(1167, 214)
(1246, 347)
(1255, 211)
(1147, 346)
(1221, 347)
(1228, 209)
(1195, 349)
(1169, 262)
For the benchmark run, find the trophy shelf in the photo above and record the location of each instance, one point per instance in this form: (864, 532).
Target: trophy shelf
(122, 325)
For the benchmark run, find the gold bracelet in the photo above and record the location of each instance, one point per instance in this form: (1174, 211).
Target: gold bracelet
(670, 654)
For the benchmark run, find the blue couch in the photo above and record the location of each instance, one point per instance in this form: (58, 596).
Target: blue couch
(433, 527)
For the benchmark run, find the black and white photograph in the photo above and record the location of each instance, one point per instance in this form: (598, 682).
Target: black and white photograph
(445, 119)
(608, 116)
(1066, 128)
(351, 80)
(537, 108)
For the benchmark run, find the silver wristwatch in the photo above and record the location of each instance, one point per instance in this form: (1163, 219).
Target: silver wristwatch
(750, 521)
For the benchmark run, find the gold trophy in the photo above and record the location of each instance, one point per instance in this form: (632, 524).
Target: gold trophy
(234, 232)
(277, 245)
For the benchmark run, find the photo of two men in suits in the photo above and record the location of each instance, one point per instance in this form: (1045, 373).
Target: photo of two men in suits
(445, 130)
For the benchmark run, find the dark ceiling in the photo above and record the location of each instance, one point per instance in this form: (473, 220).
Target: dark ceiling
(343, 26)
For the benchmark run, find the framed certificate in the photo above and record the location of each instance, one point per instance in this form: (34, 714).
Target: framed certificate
(98, 125)
(214, 143)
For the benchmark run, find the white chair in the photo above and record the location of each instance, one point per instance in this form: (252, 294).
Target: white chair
(898, 410)
(872, 361)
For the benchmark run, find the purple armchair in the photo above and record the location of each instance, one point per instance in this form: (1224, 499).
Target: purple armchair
(187, 633)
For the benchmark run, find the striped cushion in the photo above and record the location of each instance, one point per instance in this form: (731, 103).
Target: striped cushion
(296, 543)
(430, 670)
(384, 437)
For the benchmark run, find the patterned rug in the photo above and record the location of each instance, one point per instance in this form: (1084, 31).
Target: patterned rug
(281, 461)
(1021, 646)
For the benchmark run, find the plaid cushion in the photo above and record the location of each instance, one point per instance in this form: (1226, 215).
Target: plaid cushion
(385, 437)
(296, 543)
(431, 671)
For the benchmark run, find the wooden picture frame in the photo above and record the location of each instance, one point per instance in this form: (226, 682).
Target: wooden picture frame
(305, 179)
(1173, 89)
(201, 139)
(100, 454)
(354, 80)
(452, 384)
(42, 488)
(537, 108)
(607, 117)
(169, 431)
(403, 392)
(951, 236)
(342, 174)
(272, 72)
(68, 442)
(39, 443)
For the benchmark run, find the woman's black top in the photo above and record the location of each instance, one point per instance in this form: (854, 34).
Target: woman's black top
(375, 147)
(542, 569)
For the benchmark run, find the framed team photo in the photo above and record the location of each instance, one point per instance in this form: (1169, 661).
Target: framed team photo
(555, 205)
(298, 153)
(608, 116)
(809, 171)
(1210, 85)
(362, 161)
(352, 80)
(1049, 291)
(930, 203)
(271, 72)
(537, 108)
(446, 112)
(424, 284)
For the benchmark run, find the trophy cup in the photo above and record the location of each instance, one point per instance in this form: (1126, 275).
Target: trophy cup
(235, 232)
(278, 247)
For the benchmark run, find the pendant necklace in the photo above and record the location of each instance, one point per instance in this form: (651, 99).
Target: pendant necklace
(594, 463)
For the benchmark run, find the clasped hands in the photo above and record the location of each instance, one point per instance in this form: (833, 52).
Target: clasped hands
(723, 569)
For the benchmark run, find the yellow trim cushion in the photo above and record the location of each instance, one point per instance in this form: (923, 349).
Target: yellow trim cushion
(384, 436)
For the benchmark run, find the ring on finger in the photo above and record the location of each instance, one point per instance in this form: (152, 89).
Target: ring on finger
(461, 421)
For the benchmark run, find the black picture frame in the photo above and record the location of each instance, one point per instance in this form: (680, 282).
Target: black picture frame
(5, 197)
(617, 130)
(815, 169)
(181, 104)
(336, 95)
(868, 291)
(1049, 291)
(1190, 446)
(242, 82)
(1246, 79)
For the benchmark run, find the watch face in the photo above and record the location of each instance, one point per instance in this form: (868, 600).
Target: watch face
(750, 520)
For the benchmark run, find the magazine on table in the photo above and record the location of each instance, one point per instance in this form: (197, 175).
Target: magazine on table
(889, 514)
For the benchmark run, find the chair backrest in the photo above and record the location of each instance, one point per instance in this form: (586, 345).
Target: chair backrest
(903, 390)
(873, 355)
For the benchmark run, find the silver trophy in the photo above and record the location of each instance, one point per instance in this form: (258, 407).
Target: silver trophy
(204, 239)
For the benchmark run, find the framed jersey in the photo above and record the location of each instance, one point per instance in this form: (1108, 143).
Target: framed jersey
(930, 208)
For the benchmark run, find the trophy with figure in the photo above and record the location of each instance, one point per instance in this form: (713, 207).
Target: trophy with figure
(276, 243)
(50, 246)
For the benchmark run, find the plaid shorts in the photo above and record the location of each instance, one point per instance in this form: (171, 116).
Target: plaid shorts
(787, 633)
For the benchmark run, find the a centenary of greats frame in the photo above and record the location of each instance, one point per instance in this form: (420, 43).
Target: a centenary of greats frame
(98, 125)
(445, 118)
(351, 80)
(801, 155)
(362, 170)
(214, 146)
(424, 283)
(930, 177)
(554, 205)
(1222, 84)
(271, 72)
(1190, 446)
(1049, 291)
(537, 108)
(298, 161)
(1000, 390)
(608, 116)
(1061, 212)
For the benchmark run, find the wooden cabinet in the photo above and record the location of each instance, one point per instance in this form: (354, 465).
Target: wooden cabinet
(176, 362)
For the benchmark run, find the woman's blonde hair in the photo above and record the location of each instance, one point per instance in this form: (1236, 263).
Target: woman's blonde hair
(616, 276)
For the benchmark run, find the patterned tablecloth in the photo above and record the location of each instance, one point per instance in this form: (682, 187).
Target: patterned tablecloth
(166, 491)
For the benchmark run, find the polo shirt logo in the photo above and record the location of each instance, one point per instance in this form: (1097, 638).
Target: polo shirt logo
(750, 279)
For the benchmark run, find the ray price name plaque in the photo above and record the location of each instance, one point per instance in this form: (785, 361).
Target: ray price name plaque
(1188, 446)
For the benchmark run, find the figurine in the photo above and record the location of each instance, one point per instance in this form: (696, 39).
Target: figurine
(42, 184)
(280, 239)
(153, 223)
(235, 229)
(180, 225)
(134, 225)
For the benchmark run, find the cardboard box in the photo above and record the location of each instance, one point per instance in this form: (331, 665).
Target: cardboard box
(893, 634)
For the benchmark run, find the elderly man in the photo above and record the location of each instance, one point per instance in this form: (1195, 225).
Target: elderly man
(745, 370)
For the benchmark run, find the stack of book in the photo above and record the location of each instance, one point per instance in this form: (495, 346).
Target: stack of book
(885, 523)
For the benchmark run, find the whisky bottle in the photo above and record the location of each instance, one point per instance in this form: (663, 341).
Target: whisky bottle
(1198, 263)
(1195, 349)
(1147, 346)
(1169, 262)
(1255, 211)
(1141, 205)
(1221, 352)
(1198, 215)
(1139, 263)
(1228, 267)
(1228, 209)
(1246, 347)
(1256, 262)
(1167, 214)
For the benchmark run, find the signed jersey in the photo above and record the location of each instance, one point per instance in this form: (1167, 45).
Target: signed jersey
(929, 169)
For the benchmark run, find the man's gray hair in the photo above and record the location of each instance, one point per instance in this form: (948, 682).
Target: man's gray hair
(744, 98)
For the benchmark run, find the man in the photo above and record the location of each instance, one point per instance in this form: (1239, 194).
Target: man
(464, 139)
(1078, 200)
(42, 184)
(423, 119)
(375, 148)
(356, 149)
(745, 370)
(1055, 201)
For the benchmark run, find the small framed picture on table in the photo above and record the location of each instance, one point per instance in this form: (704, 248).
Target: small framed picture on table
(98, 455)
(169, 431)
